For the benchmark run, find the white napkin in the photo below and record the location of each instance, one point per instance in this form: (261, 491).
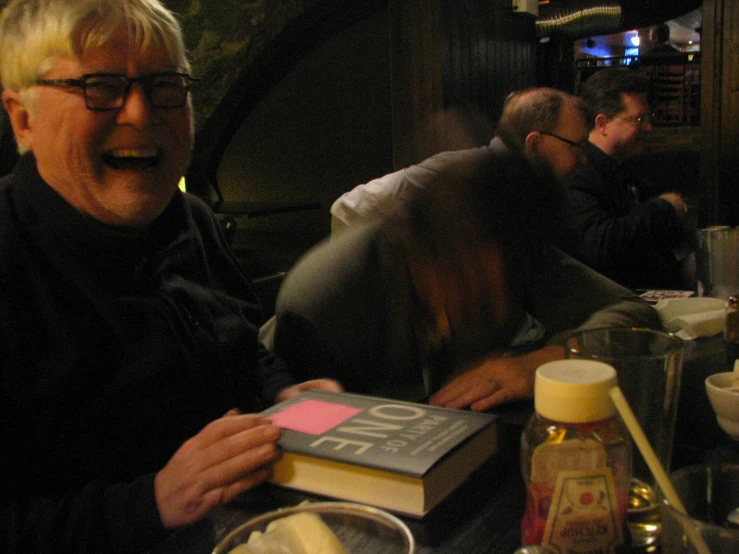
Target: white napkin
(690, 318)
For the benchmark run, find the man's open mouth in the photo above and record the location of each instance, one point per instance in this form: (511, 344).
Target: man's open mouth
(132, 159)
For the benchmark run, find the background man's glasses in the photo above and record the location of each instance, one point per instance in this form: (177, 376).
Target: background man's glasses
(640, 121)
(109, 91)
(578, 145)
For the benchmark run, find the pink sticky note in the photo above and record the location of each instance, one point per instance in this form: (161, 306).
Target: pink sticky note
(313, 416)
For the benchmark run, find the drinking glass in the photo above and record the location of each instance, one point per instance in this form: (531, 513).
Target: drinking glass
(717, 260)
(649, 368)
(643, 515)
(710, 495)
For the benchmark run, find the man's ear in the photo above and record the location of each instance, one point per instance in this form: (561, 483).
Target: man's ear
(601, 120)
(532, 141)
(19, 117)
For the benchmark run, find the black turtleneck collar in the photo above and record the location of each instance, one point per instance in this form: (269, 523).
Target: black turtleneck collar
(45, 212)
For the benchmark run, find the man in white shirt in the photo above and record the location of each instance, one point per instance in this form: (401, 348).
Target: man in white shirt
(545, 125)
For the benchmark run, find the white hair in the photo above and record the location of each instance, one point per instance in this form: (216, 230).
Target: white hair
(33, 33)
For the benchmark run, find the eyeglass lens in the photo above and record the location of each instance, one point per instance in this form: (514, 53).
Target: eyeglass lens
(640, 120)
(106, 92)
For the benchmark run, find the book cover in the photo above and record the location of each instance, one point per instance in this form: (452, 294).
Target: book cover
(401, 456)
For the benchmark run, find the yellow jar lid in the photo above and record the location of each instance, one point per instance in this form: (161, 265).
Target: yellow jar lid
(574, 391)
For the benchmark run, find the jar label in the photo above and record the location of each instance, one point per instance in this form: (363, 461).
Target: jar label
(583, 516)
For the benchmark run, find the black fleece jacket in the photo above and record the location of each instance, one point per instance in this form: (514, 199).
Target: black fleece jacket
(116, 346)
(626, 238)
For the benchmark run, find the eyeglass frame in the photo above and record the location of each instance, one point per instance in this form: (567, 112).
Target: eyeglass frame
(639, 120)
(147, 84)
(578, 145)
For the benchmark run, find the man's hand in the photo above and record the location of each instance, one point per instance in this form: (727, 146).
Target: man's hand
(677, 202)
(320, 384)
(497, 380)
(229, 456)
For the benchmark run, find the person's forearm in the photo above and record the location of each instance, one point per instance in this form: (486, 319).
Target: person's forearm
(628, 312)
(549, 353)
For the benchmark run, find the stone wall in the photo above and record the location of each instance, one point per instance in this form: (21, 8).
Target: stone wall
(225, 36)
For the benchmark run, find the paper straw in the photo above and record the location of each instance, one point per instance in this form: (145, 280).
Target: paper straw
(654, 464)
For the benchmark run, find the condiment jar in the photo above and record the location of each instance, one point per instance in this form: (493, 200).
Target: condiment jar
(576, 458)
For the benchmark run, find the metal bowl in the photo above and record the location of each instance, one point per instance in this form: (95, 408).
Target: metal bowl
(360, 528)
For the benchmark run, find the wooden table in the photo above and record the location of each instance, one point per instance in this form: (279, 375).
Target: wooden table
(483, 516)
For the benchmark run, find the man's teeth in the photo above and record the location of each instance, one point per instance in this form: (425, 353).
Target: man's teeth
(132, 158)
(134, 153)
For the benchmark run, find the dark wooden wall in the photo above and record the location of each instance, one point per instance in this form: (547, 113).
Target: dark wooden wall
(407, 81)
(453, 64)
(719, 168)
(488, 51)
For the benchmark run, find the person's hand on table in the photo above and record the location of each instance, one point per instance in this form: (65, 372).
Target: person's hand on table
(497, 380)
(229, 456)
(677, 202)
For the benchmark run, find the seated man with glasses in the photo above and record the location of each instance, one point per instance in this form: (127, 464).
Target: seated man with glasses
(542, 125)
(640, 242)
(131, 377)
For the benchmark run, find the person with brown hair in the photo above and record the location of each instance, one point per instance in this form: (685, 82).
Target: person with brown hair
(445, 284)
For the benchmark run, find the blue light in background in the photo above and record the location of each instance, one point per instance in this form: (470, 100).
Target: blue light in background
(599, 51)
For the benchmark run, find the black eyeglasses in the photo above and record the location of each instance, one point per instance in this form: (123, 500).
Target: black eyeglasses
(640, 121)
(108, 91)
(578, 145)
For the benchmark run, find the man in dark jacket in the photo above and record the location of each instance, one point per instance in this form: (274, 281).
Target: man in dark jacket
(130, 371)
(615, 228)
(659, 36)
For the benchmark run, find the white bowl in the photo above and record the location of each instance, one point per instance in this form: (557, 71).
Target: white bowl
(725, 402)
(356, 525)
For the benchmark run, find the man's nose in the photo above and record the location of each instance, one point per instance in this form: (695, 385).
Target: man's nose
(137, 109)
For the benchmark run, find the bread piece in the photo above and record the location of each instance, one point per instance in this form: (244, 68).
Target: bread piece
(302, 533)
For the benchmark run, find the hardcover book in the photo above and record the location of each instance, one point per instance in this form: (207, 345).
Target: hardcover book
(400, 456)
